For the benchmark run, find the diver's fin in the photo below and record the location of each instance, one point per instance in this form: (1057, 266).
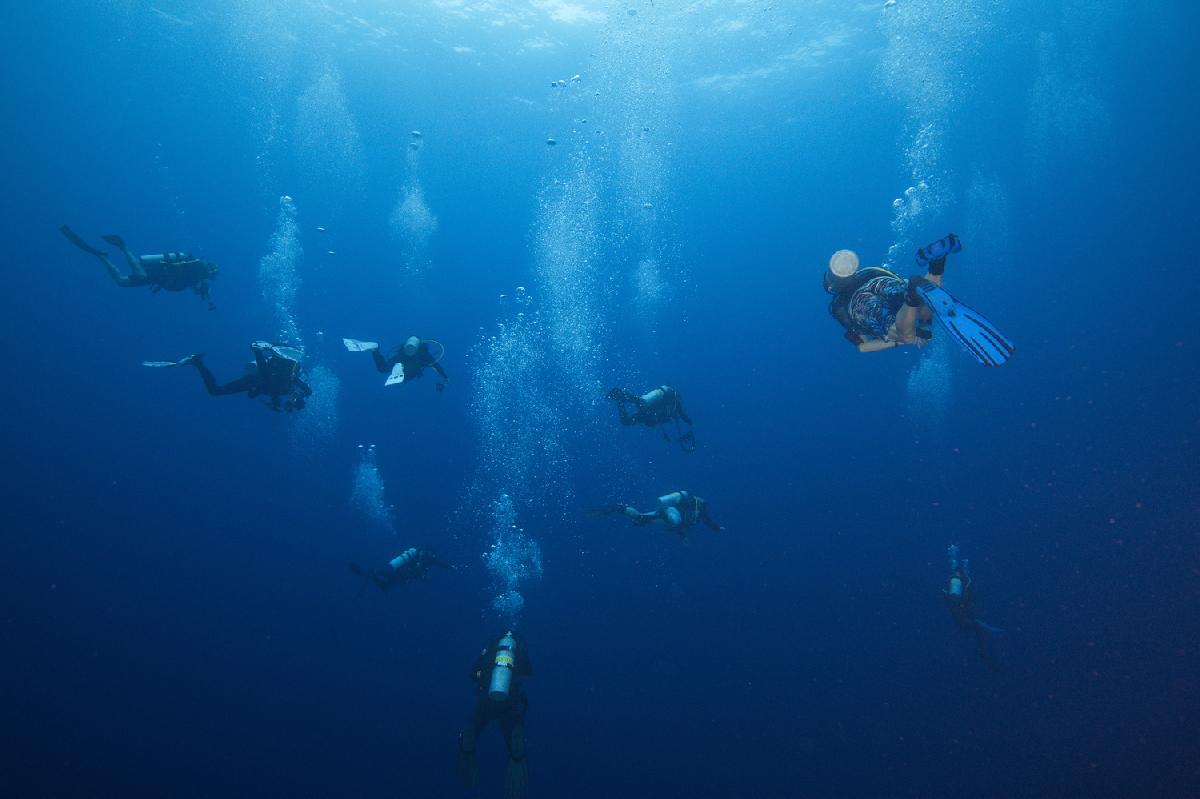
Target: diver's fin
(354, 345)
(397, 375)
(989, 628)
(73, 237)
(354, 567)
(468, 765)
(188, 361)
(977, 335)
(114, 240)
(516, 776)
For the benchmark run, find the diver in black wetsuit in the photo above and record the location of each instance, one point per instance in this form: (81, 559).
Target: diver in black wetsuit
(413, 357)
(656, 407)
(496, 674)
(678, 511)
(170, 271)
(959, 595)
(275, 373)
(411, 564)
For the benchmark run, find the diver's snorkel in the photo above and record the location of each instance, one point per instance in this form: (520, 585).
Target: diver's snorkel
(502, 668)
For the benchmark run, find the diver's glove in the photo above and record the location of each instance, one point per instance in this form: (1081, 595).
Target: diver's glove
(854, 338)
(934, 255)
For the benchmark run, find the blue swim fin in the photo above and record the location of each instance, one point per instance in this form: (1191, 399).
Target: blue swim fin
(977, 335)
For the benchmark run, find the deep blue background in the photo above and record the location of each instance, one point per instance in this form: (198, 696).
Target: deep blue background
(178, 619)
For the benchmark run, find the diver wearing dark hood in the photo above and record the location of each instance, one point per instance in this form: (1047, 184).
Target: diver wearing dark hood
(959, 595)
(678, 512)
(407, 362)
(497, 673)
(658, 406)
(275, 374)
(169, 271)
(410, 565)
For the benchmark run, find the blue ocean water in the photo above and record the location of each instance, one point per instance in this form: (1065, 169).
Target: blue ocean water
(178, 616)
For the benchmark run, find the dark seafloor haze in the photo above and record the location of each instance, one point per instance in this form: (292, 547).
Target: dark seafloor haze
(178, 619)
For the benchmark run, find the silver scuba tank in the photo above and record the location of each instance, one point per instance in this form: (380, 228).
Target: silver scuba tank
(502, 668)
(955, 588)
(652, 398)
(404, 558)
(671, 500)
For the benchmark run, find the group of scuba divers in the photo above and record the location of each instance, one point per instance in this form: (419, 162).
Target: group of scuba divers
(878, 309)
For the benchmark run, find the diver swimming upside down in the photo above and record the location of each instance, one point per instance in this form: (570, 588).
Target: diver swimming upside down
(881, 310)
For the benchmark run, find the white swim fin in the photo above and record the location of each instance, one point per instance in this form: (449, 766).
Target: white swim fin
(397, 375)
(354, 345)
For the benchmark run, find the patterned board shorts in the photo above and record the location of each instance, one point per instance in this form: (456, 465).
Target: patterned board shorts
(874, 306)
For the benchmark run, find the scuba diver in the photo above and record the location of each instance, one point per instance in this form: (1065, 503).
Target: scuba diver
(172, 271)
(275, 373)
(679, 511)
(411, 564)
(881, 310)
(656, 407)
(496, 674)
(407, 362)
(959, 595)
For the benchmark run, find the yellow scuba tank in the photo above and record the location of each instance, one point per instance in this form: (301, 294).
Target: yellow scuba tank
(502, 668)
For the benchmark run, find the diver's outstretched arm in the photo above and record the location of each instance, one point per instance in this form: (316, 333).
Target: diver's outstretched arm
(877, 345)
(381, 363)
(682, 413)
(707, 519)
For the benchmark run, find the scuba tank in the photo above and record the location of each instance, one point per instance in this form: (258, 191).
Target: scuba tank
(652, 398)
(671, 500)
(955, 588)
(405, 558)
(669, 505)
(502, 668)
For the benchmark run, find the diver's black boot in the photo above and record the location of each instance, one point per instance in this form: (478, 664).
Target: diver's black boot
(934, 255)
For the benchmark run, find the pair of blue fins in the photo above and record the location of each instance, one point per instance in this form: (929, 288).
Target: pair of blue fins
(970, 329)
